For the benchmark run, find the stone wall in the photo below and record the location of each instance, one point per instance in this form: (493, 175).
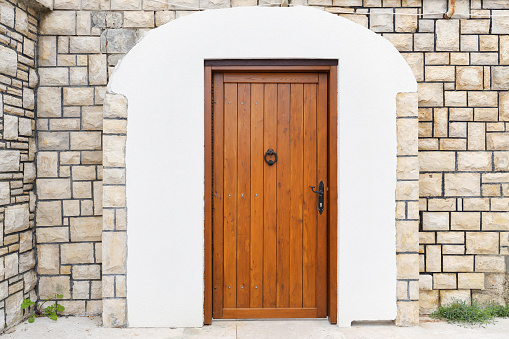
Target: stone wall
(462, 65)
(18, 38)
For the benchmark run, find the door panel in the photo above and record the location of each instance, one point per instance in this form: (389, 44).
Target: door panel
(269, 241)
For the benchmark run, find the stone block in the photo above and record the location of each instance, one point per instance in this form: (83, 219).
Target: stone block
(467, 281)
(114, 196)
(52, 234)
(476, 136)
(497, 141)
(462, 184)
(9, 161)
(55, 76)
(78, 76)
(83, 23)
(13, 311)
(25, 127)
(114, 252)
(469, 78)
(77, 253)
(407, 236)
(115, 106)
(450, 237)
(94, 307)
(81, 290)
(428, 302)
(139, 19)
(53, 189)
(82, 190)
(381, 20)
(16, 218)
(113, 126)
(500, 22)
(8, 61)
(162, 18)
(408, 313)
(114, 150)
(449, 296)
(482, 242)
(465, 221)
(407, 131)
(86, 229)
(125, 5)
(500, 78)
(435, 221)
(108, 19)
(80, 272)
(425, 282)
(430, 184)
(11, 265)
(407, 190)
(408, 266)
(58, 23)
(26, 261)
(490, 264)
(495, 221)
(433, 258)
(48, 286)
(49, 213)
(117, 40)
(437, 161)
(447, 35)
(474, 161)
(85, 140)
(53, 140)
(444, 281)
(504, 50)
(78, 96)
(440, 73)
(47, 164)
(49, 102)
(483, 99)
(114, 312)
(85, 44)
(97, 69)
(458, 263)
(448, 204)
(431, 95)
(7, 14)
(10, 127)
(47, 259)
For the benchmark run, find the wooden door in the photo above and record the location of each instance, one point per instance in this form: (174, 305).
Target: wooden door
(269, 239)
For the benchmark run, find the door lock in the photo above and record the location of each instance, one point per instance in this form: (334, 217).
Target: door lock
(320, 193)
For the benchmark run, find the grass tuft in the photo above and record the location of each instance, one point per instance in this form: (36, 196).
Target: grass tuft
(474, 313)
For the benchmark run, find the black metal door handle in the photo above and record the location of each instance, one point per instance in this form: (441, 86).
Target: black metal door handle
(320, 192)
(270, 152)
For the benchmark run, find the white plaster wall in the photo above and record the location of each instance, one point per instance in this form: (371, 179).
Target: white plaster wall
(163, 79)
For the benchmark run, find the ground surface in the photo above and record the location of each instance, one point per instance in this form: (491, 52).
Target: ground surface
(84, 327)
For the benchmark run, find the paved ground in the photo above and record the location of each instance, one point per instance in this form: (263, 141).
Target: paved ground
(84, 327)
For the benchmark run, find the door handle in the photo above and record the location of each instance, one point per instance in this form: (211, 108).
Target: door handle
(320, 193)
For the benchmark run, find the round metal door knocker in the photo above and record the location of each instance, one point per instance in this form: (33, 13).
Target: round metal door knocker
(270, 152)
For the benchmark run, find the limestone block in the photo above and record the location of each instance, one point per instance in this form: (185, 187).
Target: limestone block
(112, 126)
(453, 249)
(442, 204)
(114, 150)
(430, 184)
(162, 18)
(500, 22)
(465, 221)
(414, 60)
(7, 14)
(139, 19)
(435, 221)
(16, 218)
(82, 44)
(52, 234)
(476, 136)
(469, 78)
(439, 73)
(407, 131)
(30, 280)
(433, 258)
(407, 22)
(484, 59)
(458, 129)
(462, 184)
(86, 272)
(92, 118)
(455, 98)
(504, 106)
(114, 196)
(490, 264)
(402, 42)
(447, 35)
(86, 229)
(66, 4)
(424, 42)
(486, 114)
(449, 296)
(81, 290)
(9, 161)
(437, 161)
(501, 204)
(8, 61)
(431, 94)
(47, 164)
(47, 259)
(495, 4)
(500, 77)
(26, 261)
(114, 176)
(108, 286)
(407, 190)
(425, 282)
(115, 106)
(408, 266)
(381, 20)
(480, 26)
(461, 114)
(497, 141)
(53, 189)
(114, 312)
(407, 236)
(48, 286)
(108, 19)
(58, 23)
(471, 281)
(94, 307)
(428, 302)
(125, 5)
(83, 23)
(49, 102)
(458, 263)
(77, 253)
(97, 69)
(33, 78)
(11, 265)
(488, 43)
(55, 76)
(483, 99)
(117, 40)
(474, 161)
(444, 281)
(78, 76)
(5, 193)
(450, 237)
(114, 252)
(10, 127)
(482, 242)
(49, 213)
(13, 311)
(469, 43)
(408, 313)
(85, 140)
(504, 50)
(121, 287)
(78, 96)
(25, 127)
(495, 221)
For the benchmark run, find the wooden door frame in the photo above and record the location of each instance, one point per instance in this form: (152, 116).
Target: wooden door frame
(327, 66)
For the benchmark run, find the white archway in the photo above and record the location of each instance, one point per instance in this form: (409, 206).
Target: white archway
(162, 78)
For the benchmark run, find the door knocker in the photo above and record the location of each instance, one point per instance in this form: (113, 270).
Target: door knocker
(270, 152)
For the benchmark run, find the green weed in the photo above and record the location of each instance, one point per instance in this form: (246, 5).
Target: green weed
(474, 313)
(50, 311)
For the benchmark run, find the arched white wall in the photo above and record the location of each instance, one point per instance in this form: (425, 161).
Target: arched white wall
(163, 79)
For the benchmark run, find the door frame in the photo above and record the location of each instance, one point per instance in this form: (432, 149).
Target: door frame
(327, 66)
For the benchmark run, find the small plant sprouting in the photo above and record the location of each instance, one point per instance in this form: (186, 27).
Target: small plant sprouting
(474, 313)
(50, 311)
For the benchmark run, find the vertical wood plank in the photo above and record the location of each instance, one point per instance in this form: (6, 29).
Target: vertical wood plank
(207, 300)
(243, 193)
(230, 195)
(217, 233)
(296, 193)
(321, 274)
(257, 162)
(283, 196)
(310, 209)
(269, 200)
(333, 196)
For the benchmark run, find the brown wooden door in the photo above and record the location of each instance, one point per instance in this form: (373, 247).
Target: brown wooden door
(269, 240)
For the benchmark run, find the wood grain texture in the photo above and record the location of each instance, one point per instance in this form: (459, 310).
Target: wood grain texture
(273, 78)
(207, 301)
